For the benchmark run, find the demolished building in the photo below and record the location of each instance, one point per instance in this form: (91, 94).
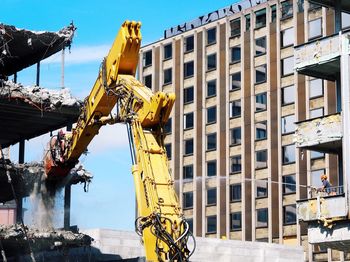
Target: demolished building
(25, 113)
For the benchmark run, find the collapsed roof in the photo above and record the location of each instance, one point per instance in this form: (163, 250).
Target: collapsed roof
(21, 48)
(26, 177)
(27, 112)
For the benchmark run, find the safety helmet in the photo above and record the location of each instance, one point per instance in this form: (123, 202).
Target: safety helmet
(323, 177)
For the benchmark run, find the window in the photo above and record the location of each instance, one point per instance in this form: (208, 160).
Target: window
(211, 168)
(235, 81)
(235, 134)
(188, 172)
(235, 54)
(300, 6)
(147, 58)
(288, 95)
(273, 13)
(188, 69)
(318, 112)
(260, 74)
(188, 146)
(260, 102)
(261, 217)
(235, 164)
(190, 223)
(289, 184)
(260, 18)
(211, 224)
(260, 159)
(261, 188)
(288, 66)
(315, 177)
(345, 20)
(168, 51)
(211, 88)
(261, 130)
(168, 150)
(235, 192)
(287, 124)
(315, 28)
(316, 155)
(188, 120)
(167, 126)
(260, 46)
(211, 62)
(289, 215)
(287, 37)
(189, 43)
(167, 76)
(147, 80)
(211, 36)
(235, 108)
(287, 9)
(236, 221)
(288, 154)
(316, 87)
(211, 115)
(235, 26)
(247, 22)
(188, 95)
(211, 141)
(211, 196)
(188, 200)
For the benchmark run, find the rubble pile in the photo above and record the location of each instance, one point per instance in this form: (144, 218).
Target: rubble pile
(14, 241)
(42, 98)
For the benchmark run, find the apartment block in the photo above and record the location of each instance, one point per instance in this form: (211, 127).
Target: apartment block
(231, 136)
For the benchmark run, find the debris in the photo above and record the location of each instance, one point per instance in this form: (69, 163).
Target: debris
(41, 98)
(14, 242)
(27, 177)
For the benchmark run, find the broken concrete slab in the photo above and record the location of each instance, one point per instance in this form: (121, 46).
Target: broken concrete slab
(38, 109)
(20, 48)
(15, 243)
(27, 177)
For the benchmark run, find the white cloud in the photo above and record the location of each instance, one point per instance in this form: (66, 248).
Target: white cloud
(110, 137)
(80, 55)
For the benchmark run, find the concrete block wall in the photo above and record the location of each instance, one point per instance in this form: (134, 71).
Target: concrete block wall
(128, 245)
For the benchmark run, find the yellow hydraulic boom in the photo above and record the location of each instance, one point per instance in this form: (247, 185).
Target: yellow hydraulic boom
(161, 224)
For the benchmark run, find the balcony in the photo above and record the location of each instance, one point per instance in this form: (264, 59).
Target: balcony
(344, 4)
(323, 134)
(319, 58)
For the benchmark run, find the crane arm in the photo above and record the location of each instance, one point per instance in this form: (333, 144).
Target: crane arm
(161, 224)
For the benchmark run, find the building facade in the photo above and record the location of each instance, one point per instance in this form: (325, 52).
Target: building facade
(231, 134)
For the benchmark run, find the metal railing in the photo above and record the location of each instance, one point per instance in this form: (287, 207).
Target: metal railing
(331, 191)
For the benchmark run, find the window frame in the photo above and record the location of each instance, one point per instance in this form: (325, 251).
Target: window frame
(184, 172)
(261, 181)
(231, 225)
(283, 93)
(215, 165)
(256, 131)
(186, 69)
(207, 114)
(238, 157)
(207, 224)
(231, 81)
(284, 125)
(309, 26)
(285, 183)
(235, 200)
(285, 223)
(240, 27)
(257, 217)
(263, 53)
(211, 42)
(265, 79)
(256, 96)
(231, 103)
(215, 88)
(212, 68)
(211, 189)
(283, 60)
(186, 95)
(234, 60)
(185, 207)
(211, 135)
(164, 51)
(145, 57)
(185, 120)
(185, 147)
(185, 44)
(256, 158)
(284, 147)
(263, 13)
(240, 136)
(171, 76)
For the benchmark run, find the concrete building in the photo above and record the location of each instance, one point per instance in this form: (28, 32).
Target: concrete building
(231, 135)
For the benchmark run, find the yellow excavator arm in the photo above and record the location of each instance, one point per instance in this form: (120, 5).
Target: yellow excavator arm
(161, 224)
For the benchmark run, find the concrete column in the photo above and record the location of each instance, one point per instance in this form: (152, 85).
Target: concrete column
(67, 200)
(38, 74)
(345, 85)
(19, 199)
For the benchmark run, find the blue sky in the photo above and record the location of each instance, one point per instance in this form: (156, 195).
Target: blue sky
(110, 202)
